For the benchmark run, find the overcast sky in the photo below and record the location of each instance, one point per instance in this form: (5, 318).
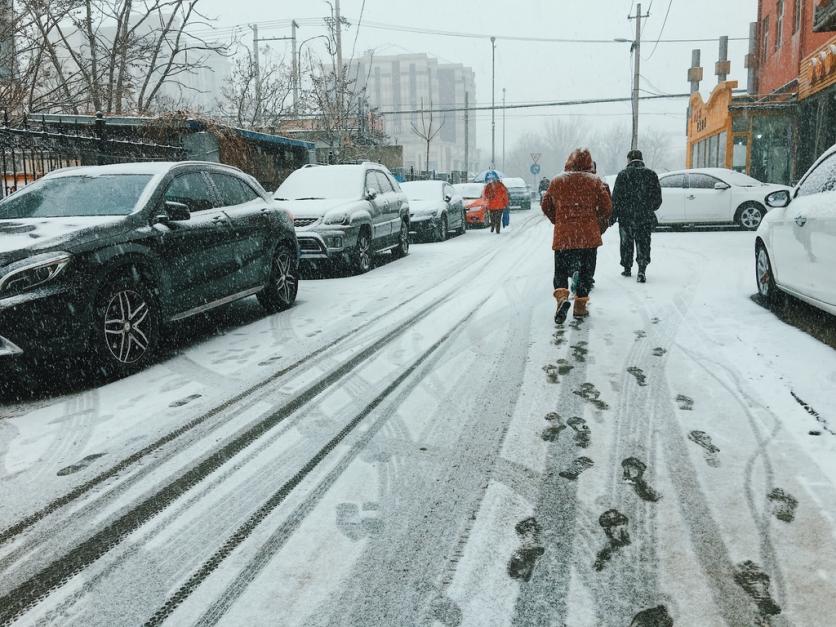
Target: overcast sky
(533, 71)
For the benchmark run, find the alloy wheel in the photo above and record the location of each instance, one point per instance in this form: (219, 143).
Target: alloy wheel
(286, 281)
(364, 258)
(751, 217)
(404, 238)
(127, 326)
(764, 270)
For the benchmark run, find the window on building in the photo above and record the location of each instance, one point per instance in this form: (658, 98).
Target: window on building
(799, 9)
(779, 24)
(740, 153)
(765, 38)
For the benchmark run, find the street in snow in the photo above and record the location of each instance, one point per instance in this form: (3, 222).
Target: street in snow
(435, 450)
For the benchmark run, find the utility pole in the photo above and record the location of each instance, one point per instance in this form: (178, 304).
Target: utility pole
(493, 102)
(466, 133)
(637, 44)
(339, 38)
(503, 129)
(257, 74)
(295, 68)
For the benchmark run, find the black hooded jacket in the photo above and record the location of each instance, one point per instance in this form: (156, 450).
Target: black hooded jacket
(637, 195)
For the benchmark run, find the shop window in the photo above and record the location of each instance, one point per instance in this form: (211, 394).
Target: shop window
(740, 122)
(779, 24)
(740, 153)
(721, 150)
(771, 141)
(712, 152)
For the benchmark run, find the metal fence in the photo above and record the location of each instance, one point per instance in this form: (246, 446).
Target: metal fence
(31, 148)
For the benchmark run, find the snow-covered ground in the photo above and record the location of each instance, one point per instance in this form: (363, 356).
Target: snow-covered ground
(421, 445)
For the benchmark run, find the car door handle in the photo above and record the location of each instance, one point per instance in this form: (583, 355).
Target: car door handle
(800, 220)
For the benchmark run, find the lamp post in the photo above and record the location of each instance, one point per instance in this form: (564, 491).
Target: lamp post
(493, 102)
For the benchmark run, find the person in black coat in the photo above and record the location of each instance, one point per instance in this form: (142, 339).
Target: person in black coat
(636, 197)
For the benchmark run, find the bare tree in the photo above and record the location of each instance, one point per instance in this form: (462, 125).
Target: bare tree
(429, 128)
(239, 102)
(113, 56)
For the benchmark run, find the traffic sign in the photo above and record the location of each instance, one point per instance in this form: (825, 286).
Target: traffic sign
(535, 169)
(535, 156)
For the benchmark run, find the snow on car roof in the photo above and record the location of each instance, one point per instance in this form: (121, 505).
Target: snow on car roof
(152, 168)
(513, 181)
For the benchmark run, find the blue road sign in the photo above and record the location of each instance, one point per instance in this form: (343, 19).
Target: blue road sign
(535, 169)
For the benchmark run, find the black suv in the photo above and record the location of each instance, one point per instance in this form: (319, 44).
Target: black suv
(96, 259)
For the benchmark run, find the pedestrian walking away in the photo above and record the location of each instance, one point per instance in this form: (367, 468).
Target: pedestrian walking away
(579, 206)
(496, 195)
(636, 197)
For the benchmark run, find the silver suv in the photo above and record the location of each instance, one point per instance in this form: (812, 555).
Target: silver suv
(345, 214)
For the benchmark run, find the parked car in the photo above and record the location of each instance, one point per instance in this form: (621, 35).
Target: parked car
(345, 214)
(713, 196)
(435, 209)
(518, 193)
(99, 258)
(476, 209)
(795, 248)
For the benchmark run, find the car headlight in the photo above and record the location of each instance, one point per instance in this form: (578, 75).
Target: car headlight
(34, 272)
(338, 217)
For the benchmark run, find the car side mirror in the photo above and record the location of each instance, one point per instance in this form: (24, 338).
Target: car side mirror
(779, 199)
(371, 194)
(177, 211)
(721, 186)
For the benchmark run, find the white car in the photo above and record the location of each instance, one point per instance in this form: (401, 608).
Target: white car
(795, 249)
(713, 196)
(435, 209)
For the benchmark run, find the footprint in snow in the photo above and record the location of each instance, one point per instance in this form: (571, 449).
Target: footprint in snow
(555, 371)
(783, 504)
(556, 425)
(583, 436)
(654, 617)
(590, 393)
(270, 360)
(577, 467)
(639, 374)
(522, 562)
(659, 351)
(580, 351)
(755, 583)
(356, 526)
(559, 338)
(686, 403)
(614, 524)
(640, 335)
(577, 323)
(634, 470)
(78, 466)
(185, 401)
(701, 438)
(655, 321)
(447, 612)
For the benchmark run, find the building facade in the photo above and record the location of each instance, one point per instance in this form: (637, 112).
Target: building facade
(420, 85)
(788, 117)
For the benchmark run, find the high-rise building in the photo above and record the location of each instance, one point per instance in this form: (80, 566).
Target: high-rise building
(417, 82)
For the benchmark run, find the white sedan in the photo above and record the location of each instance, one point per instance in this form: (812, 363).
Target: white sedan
(713, 196)
(795, 249)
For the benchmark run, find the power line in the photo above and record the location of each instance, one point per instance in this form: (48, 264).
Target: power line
(664, 23)
(557, 103)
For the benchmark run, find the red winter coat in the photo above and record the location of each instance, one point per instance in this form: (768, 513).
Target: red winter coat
(496, 194)
(579, 205)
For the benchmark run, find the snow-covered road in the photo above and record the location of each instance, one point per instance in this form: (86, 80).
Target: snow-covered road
(421, 445)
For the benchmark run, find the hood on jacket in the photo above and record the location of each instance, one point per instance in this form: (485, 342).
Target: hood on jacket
(636, 163)
(579, 161)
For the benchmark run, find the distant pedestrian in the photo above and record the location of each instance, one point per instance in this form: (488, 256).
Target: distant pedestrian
(579, 205)
(496, 195)
(637, 196)
(544, 185)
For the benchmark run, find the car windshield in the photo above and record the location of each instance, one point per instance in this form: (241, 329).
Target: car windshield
(76, 196)
(327, 182)
(469, 191)
(422, 190)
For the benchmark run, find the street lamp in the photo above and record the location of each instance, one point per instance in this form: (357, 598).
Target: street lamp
(493, 102)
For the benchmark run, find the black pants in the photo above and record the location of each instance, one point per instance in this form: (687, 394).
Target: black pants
(635, 237)
(496, 221)
(580, 260)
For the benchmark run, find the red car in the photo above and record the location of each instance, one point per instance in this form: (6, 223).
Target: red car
(477, 212)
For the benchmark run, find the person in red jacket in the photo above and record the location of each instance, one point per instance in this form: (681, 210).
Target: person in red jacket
(579, 205)
(496, 195)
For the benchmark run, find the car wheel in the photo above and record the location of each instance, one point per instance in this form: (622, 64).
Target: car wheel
(750, 216)
(441, 233)
(283, 284)
(402, 249)
(362, 257)
(767, 289)
(127, 322)
(464, 223)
